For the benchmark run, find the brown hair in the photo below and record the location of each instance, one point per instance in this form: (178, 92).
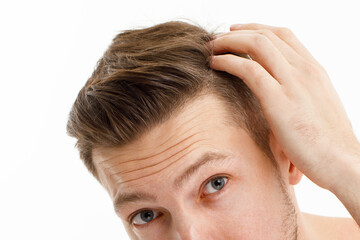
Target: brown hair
(144, 77)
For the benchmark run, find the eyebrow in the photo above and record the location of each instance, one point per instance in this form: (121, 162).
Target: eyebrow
(205, 159)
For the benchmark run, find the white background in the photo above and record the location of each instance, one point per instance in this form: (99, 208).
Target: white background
(48, 50)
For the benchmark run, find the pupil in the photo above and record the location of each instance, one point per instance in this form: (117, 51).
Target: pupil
(147, 216)
(218, 183)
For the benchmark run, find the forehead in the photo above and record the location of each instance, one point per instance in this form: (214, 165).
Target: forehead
(167, 149)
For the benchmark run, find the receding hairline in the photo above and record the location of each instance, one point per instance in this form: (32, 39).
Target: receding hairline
(184, 57)
(226, 119)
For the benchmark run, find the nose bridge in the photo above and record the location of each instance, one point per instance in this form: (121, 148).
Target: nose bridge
(189, 224)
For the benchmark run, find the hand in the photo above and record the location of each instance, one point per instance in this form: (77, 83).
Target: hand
(304, 112)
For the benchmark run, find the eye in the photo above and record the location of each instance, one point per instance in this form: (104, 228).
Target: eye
(215, 184)
(144, 217)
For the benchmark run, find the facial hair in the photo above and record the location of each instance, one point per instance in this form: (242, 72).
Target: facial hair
(289, 215)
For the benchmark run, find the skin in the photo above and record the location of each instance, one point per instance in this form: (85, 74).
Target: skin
(315, 133)
(253, 192)
(286, 78)
(256, 201)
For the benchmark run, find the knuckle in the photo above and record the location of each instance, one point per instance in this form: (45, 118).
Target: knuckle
(269, 34)
(265, 32)
(251, 67)
(284, 32)
(313, 70)
(260, 40)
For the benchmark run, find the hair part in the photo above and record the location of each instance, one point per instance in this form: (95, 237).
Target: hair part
(144, 77)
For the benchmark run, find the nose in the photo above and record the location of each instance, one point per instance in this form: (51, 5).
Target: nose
(189, 226)
(187, 231)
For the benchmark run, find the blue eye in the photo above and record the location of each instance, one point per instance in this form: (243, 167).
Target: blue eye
(215, 184)
(144, 217)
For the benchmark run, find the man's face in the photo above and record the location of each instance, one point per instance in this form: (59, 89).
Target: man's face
(196, 177)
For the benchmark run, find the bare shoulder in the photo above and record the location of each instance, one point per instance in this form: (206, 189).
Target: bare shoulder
(337, 227)
(345, 227)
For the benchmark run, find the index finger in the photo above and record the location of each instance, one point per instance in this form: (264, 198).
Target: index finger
(283, 33)
(260, 82)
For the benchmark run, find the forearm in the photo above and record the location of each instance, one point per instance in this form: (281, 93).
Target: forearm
(347, 184)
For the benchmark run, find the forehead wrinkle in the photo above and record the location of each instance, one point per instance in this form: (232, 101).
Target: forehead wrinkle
(206, 159)
(106, 169)
(194, 115)
(144, 158)
(155, 164)
(133, 179)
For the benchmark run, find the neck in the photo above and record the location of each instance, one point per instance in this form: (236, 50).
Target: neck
(308, 228)
(312, 226)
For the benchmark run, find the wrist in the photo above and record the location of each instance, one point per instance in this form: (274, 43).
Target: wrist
(346, 175)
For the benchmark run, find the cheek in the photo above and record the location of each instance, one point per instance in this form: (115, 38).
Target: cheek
(252, 211)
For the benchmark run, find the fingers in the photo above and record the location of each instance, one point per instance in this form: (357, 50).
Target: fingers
(290, 55)
(260, 82)
(260, 48)
(284, 34)
(219, 34)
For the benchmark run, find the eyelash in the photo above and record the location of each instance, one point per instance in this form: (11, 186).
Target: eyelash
(131, 218)
(212, 179)
(142, 225)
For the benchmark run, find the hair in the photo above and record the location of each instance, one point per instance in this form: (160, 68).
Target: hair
(144, 77)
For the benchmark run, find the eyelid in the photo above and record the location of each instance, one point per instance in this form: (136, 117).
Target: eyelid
(220, 175)
(203, 185)
(133, 215)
